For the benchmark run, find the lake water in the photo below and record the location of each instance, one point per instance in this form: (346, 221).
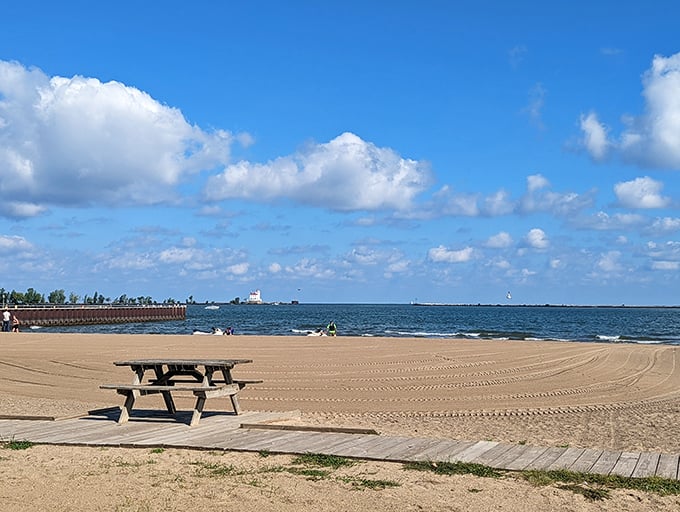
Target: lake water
(587, 324)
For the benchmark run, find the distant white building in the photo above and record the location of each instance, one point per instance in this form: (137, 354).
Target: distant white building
(254, 297)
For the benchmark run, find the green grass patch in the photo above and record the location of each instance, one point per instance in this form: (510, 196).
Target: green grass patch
(17, 445)
(215, 469)
(592, 487)
(310, 473)
(654, 484)
(368, 483)
(589, 493)
(325, 461)
(455, 468)
(157, 450)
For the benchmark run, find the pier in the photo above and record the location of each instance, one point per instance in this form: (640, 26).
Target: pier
(54, 315)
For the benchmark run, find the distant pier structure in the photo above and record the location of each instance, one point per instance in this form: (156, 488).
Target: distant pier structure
(49, 315)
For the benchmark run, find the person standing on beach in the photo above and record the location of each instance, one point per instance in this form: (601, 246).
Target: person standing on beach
(15, 323)
(5, 321)
(331, 328)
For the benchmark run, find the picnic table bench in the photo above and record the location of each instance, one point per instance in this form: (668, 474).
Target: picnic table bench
(204, 378)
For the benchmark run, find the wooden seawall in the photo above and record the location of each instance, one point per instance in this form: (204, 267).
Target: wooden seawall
(104, 314)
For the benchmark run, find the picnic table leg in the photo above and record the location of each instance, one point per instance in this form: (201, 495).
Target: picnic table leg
(198, 410)
(127, 407)
(167, 397)
(234, 398)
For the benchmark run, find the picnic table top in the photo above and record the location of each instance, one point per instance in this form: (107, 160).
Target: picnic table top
(182, 362)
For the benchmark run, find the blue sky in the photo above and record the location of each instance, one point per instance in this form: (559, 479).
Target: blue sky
(342, 151)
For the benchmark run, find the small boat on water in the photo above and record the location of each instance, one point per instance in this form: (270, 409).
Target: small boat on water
(212, 307)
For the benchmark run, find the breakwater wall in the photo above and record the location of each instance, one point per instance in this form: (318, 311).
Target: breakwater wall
(105, 314)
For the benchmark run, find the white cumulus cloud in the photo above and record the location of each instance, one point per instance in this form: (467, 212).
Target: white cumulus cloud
(443, 255)
(537, 239)
(77, 141)
(344, 174)
(641, 193)
(594, 136)
(539, 198)
(499, 241)
(652, 139)
(14, 244)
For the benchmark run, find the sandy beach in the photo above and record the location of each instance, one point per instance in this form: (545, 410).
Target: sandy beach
(613, 396)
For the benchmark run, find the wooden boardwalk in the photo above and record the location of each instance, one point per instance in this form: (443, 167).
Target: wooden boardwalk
(224, 431)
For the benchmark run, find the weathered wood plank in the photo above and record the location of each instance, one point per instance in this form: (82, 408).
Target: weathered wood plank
(475, 450)
(350, 445)
(646, 465)
(433, 450)
(487, 456)
(668, 466)
(307, 442)
(442, 451)
(586, 460)
(525, 458)
(605, 463)
(394, 453)
(567, 459)
(546, 459)
(626, 464)
(374, 447)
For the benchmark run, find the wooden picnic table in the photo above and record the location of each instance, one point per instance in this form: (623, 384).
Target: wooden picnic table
(204, 378)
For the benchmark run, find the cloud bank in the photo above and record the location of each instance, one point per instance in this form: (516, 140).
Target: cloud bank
(344, 174)
(652, 139)
(78, 141)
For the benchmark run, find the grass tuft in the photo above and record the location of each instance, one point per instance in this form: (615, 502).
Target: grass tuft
(325, 461)
(17, 445)
(455, 468)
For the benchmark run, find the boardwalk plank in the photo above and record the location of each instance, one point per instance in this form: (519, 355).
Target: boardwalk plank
(318, 442)
(626, 464)
(487, 456)
(300, 442)
(448, 450)
(395, 453)
(668, 466)
(567, 459)
(586, 460)
(525, 458)
(474, 451)
(444, 450)
(351, 445)
(373, 448)
(546, 458)
(605, 463)
(289, 442)
(646, 465)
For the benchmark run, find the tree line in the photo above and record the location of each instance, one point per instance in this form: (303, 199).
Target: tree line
(31, 296)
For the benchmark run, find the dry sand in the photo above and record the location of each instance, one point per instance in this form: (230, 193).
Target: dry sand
(611, 396)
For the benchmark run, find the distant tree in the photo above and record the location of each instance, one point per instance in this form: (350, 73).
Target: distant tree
(235, 300)
(73, 298)
(57, 297)
(33, 297)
